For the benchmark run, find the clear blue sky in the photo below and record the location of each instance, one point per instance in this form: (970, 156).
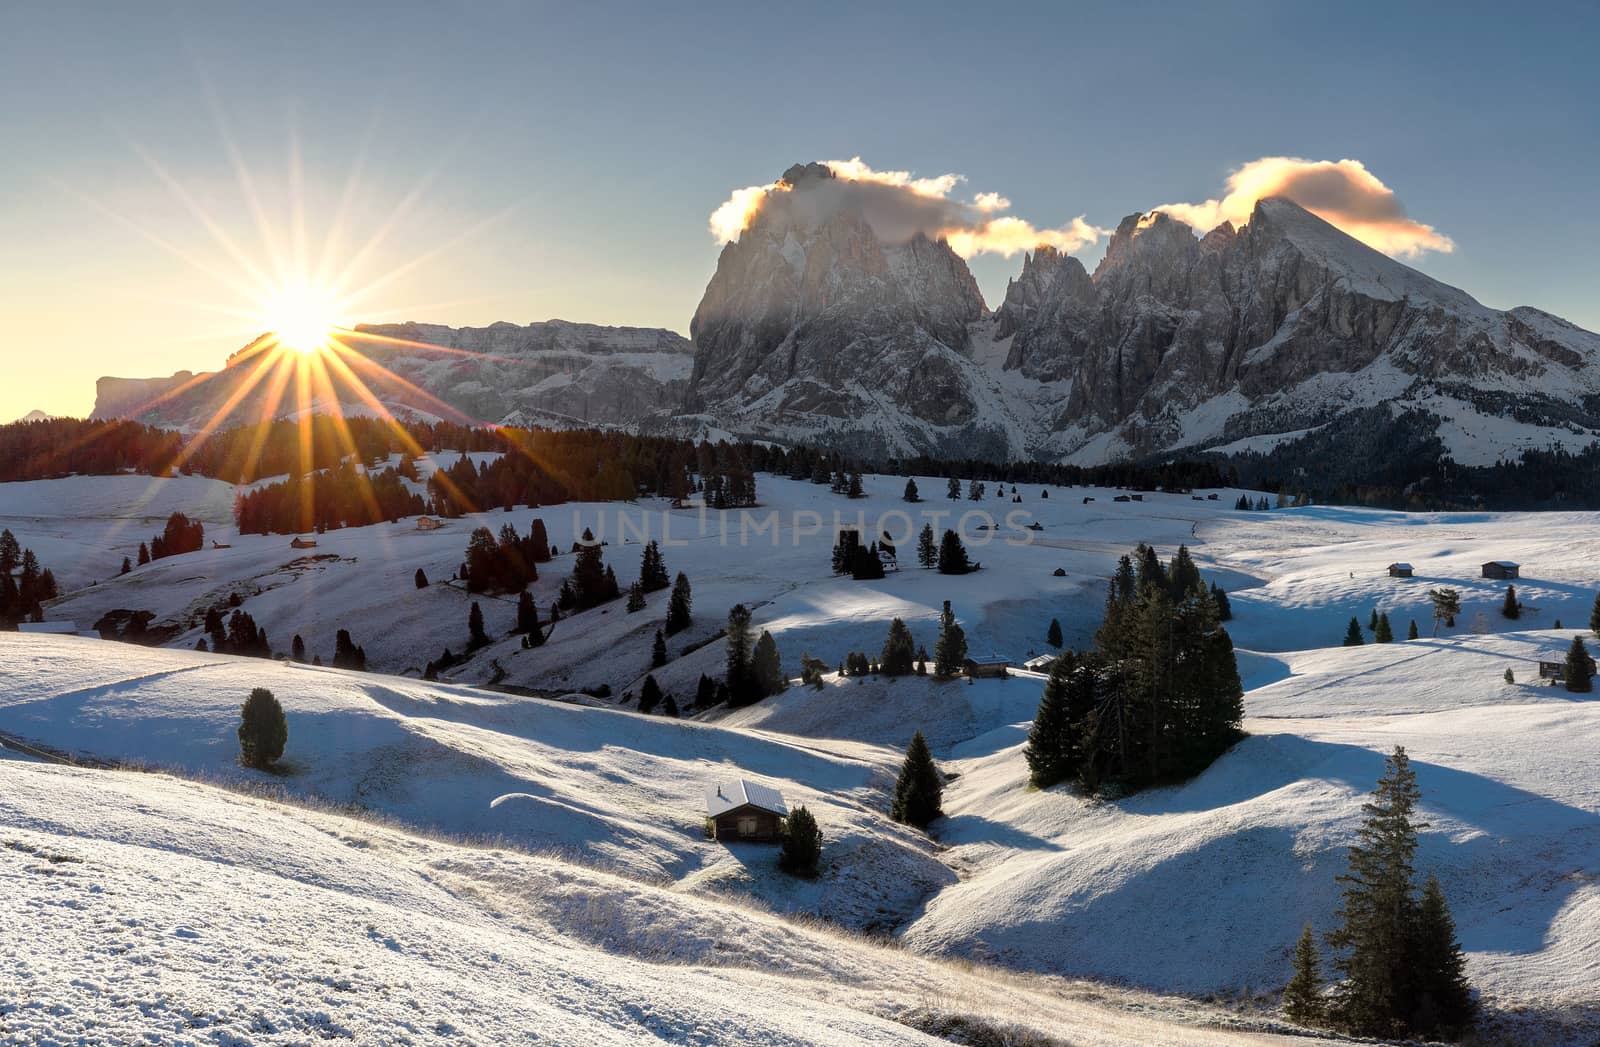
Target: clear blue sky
(585, 144)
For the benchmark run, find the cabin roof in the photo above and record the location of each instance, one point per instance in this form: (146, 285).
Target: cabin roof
(1401, 566)
(724, 797)
(1502, 563)
(57, 627)
(989, 659)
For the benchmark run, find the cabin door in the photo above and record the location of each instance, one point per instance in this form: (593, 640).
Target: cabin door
(747, 826)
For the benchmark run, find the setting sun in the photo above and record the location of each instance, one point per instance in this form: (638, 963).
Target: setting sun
(301, 316)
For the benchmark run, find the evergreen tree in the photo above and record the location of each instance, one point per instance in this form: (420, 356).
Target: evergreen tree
(1579, 669)
(653, 569)
(127, 565)
(952, 489)
(911, 494)
(1053, 751)
(1384, 633)
(705, 692)
(658, 651)
(1183, 577)
(1411, 632)
(263, 730)
(669, 707)
(1446, 605)
(767, 666)
(477, 636)
(297, 649)
(899, 650)
(1052, 635)
(533, 634)
(144, 554)
(1220, 598)
(1594, 617)
(918, 792)
(421, 579)
(1352, 635)
(855, 490)
(1375, 913)
(346, 655)
(953, 555)
(950, 649)
(1302, 997)
(649, 695)
(678, 605)
(738, 676)
(1511, 608)
(927, 549)
(802, 844)
(635, 597)
(1440, 998)
(1372, 621)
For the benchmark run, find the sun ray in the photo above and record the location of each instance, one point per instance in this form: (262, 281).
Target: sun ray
(211, 225)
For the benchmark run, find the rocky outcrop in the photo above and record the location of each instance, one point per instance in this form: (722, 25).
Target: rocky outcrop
(553, 374)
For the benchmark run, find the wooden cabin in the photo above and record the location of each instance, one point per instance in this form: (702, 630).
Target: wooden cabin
(428, 523)
(1040, 663)
(1557, 670)
(1400, 570)
(303, 543)
(1502, 569)
(987, 665)
(744, 811)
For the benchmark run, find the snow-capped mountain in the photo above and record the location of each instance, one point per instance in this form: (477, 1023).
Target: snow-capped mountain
(816, 328)
(551, 374)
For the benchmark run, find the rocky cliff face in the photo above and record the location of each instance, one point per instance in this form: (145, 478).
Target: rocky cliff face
(552, 374)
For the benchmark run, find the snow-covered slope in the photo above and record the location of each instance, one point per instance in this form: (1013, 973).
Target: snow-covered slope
(142, 908)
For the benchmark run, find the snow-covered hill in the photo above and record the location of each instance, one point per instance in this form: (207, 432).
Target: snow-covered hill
(144, 908)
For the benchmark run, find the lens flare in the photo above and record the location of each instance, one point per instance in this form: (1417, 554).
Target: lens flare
(301, 317)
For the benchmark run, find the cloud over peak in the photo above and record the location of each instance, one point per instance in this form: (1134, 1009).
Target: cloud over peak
(898, 206)
(1343, 193)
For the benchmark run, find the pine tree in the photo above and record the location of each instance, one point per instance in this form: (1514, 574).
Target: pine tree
(767, 666)
(1446, 605)
(1052, 635)
(911, 494)
(478, 638)
(1511, 608)
(1220, 597)
(738, 676)
(899, 650)
(127, 565)
(669, 707)
(144, 554)
(678, 605)
(1372, 621)
(649, 695)
(1579, 669)
(263, 730)
(802, 844)
(420, 579)
(1594, 617)
(927, 549)
(705, 692)
(635, 597)
(952, 489)
(1302, 997)
(1384, 633)
(1375, 913)
(1052, 749)
(855, 490)
(1440, 998)
(918, 792)
(950, 650)
(527, 613)
(1352, 635)
(297, 649)
(653, 569)
(953, 555)
(658, 651)
(1411, 632)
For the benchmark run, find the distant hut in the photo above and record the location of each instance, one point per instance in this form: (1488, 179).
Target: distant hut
(987, 665)
(1399, 570)
(428, 523)
(1040, 663)
(302, 543)
(743, 810)
(1502, 569)
(1557, 669)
